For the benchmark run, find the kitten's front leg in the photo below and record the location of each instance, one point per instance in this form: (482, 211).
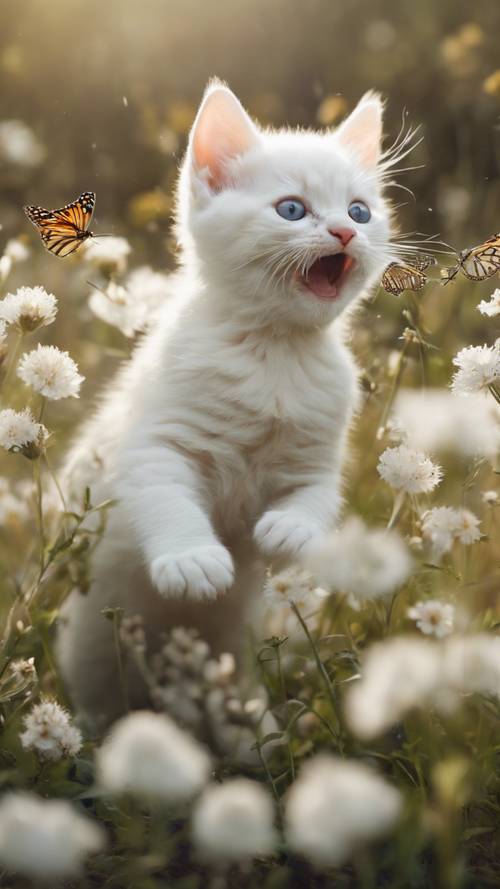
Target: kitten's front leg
(300, 518)
(163, 496)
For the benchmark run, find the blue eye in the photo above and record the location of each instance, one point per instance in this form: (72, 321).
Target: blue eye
(359, 212)
(291, 209)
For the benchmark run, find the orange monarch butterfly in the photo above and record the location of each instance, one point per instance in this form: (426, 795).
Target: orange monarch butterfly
(64, 231)
(476, 263)
(400, 276)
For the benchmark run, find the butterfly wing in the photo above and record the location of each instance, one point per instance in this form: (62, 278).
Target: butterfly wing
(64, 231)
(398, 277)
(422, 261)
(483, 261)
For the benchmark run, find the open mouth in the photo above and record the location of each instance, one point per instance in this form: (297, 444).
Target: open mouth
(325, 276)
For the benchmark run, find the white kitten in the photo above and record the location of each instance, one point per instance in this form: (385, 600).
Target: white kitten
(223, 438)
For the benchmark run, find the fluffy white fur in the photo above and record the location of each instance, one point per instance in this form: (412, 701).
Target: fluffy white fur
(222, 440)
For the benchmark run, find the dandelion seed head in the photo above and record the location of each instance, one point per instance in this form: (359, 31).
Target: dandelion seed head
(233, 821)
(50, 372)
(408, 470)
(29, 308)
(50, 733)
(336, 805)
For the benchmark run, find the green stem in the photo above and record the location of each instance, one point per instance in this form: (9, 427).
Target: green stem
(323, 673)
(39, 507)
(285, 699)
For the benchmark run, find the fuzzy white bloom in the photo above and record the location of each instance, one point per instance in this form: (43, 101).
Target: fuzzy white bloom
(23, 668)
(478, 368)
(16, 250)
(407, 470)
(443, 525)
(433, 617)
(490, 497)
(109, 255)
(472, 664)
(335, 806)
(397, 675)
(19, 429)
(438, 420)
(50, 372)
(19, 145)
(50, 733)
(492, 307)
(233, 821)
(293, 585)
(148, 288)
(366, 562)
(45, 839)
(147, 754)
(404, 673)
(28, 308)
(115, 306)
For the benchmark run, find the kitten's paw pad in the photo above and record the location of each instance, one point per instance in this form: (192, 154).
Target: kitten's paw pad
(200, 573)
(284, 532)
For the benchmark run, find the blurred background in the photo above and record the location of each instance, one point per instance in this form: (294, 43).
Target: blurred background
(100, 96)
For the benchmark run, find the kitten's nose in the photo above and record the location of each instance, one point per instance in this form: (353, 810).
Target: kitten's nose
(343, 234)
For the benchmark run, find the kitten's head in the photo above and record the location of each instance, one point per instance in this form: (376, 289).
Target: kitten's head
(288, 225)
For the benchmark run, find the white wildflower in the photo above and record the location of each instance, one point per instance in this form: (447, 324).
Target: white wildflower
(366, 562)
(19, 145)
(16, 250)
(28, 308)
(116, 307)
(472, 664)
(147, 754)
(335, 806)
(478, 368)
(148, 288)
(490, 497)
(293, 585)
(50, 372)
(45, 839)
(396, 676)
(19, 431)
(407, 470)
(443, 525)
(433, 617)
(50, 733)
(234, 821)
(438, 420)
(492, 307)
(109, 255)
(23, 668)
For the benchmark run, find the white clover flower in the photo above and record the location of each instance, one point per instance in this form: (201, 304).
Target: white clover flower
(19, 145)
(19, 431)
(50, 372)
(407, 470)
(109, 255)
(438, 420)
(396, 676)
(29, 308)
(45, 839)
(293, 585)
(490, 497)
(492, 307)
(335, 806)
(115, 306)
(442, 525)
(50, 733)
(366, 562)
(147, 754)
(233, 821)
(478, 368)
(16, 250)
(433, 617)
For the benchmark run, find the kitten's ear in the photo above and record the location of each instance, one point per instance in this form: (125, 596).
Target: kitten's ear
(222, 131)
(362, 131)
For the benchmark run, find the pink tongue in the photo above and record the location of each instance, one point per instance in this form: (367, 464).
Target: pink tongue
(318, 282)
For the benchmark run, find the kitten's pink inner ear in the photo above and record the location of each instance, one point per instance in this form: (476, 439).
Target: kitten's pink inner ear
(222, 131)
(362, 131)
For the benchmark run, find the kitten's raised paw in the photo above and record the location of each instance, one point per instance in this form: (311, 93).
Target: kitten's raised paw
(200, 573)
(284, 532)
